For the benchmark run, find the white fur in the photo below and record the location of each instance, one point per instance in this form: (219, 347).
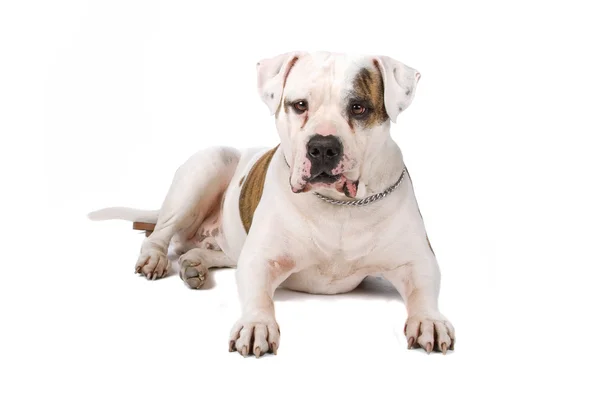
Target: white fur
(126, 213)
(296, 240)
(403, 79)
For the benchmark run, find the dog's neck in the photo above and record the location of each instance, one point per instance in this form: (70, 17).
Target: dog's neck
(381, 167)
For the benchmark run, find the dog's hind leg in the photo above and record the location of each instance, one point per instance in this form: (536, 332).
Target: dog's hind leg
(197, 188)
(196, 262)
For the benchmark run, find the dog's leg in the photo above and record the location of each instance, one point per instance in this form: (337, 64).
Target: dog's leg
(257, 331)
(418, 282)
(196, 262)
(196, 188)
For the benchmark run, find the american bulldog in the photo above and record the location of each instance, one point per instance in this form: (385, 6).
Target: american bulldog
(332, 204)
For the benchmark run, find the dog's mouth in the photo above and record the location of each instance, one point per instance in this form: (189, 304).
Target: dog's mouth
(325, 178)
(342, 179)
(338, 183)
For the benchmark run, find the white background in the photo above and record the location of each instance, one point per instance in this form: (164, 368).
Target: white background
(100, 101)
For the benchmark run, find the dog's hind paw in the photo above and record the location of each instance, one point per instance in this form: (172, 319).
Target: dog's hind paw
(153, 264)
(193, 274)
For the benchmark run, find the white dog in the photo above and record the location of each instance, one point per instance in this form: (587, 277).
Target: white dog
(329, 206)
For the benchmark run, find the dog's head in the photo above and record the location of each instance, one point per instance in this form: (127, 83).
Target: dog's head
(333, 112)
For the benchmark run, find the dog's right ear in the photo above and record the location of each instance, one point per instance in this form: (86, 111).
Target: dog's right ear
(272, 74)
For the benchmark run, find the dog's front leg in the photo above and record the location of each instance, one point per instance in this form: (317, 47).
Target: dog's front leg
(418, 282)
(257, 331)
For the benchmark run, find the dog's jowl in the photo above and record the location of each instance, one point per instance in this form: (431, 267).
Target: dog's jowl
(329, 206)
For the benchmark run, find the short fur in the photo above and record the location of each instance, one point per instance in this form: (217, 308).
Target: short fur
(252, 188)
(368, 86)
(286, 236)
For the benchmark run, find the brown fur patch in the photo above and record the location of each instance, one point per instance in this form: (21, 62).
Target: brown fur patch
(368, 88)
(242, 180)
(253, 187)
(280, 266)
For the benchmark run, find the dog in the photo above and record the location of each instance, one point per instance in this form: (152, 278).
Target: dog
(329, 206)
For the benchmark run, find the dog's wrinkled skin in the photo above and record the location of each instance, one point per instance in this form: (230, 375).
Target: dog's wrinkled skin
(296, 240)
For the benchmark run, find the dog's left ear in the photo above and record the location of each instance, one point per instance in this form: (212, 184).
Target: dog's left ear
(400, 82)
(272, 74)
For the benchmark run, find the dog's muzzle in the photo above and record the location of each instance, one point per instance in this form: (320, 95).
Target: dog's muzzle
(324, 153)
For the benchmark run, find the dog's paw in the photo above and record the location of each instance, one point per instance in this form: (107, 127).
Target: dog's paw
(153, 264)
(431, 332)
(192, 273)
(256, 336)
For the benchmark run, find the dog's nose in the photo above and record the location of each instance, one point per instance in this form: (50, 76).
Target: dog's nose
(324, 152)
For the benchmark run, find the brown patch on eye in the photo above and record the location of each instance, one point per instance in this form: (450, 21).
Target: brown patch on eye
(252, 188)
(368, 86)
(282, 265)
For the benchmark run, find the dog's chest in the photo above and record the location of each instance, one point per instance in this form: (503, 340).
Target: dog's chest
(348, 247)
(335, 273)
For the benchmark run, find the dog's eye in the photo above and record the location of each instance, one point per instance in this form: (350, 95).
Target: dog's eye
(358, 109)
(300, 106)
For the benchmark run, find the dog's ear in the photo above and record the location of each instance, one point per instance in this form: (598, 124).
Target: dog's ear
(272, 74)
(399, 82)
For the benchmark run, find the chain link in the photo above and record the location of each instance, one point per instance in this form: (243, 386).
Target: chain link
(367, 200)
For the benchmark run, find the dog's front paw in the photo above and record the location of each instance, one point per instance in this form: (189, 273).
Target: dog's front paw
(152, 264)
(256, 335)
(429, 331)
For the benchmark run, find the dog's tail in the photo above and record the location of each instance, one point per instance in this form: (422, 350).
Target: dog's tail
(125, 213)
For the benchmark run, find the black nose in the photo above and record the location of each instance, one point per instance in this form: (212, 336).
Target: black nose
(324, 152)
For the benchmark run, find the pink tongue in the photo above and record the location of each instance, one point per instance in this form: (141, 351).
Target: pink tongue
(350, 188)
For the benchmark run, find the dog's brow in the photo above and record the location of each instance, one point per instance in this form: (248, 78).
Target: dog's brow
(354, 97)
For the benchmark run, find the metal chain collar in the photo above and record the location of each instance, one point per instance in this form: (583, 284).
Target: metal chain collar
(367, 200)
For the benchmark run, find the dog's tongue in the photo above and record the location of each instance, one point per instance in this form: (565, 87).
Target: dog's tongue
(349, 188)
